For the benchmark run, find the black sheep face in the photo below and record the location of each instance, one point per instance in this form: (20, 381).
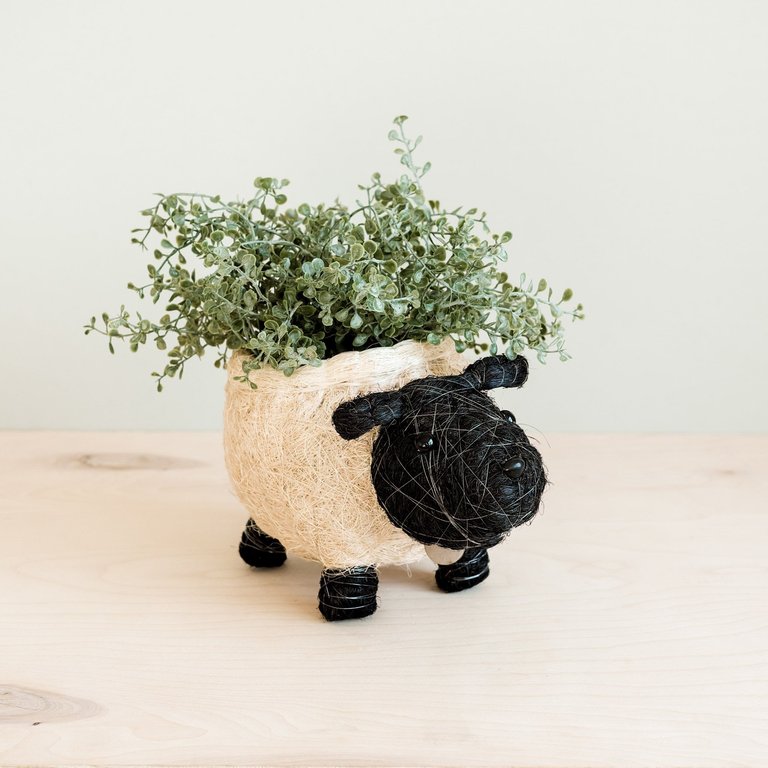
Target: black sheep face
(449, 467)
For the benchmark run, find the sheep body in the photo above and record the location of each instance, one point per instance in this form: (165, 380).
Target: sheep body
(299, 480)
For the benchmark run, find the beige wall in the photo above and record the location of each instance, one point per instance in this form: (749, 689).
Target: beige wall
(624, 144)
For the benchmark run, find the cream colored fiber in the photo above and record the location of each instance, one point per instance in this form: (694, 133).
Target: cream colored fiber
(300, 481)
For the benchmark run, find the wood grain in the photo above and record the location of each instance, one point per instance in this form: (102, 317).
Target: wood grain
(625, 627)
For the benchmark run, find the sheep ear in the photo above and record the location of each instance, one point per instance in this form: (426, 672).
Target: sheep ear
(497, 371)
(356, 417)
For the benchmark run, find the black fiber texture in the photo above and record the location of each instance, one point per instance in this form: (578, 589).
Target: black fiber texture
(498, 371)
(363, 413)
(259, 550)
(472, 568)
(348, 593)
(448, 466)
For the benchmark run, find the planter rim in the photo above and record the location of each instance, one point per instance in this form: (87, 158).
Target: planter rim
(347, 366)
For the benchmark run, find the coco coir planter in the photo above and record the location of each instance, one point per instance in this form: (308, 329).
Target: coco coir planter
(302, 484)
(369, 457)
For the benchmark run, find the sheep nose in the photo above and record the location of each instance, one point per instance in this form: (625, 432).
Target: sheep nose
(514, 468)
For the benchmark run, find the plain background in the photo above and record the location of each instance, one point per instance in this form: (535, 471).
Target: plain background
(624, 144)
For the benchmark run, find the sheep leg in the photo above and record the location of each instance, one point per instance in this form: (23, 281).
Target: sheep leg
(260, 550)
(348, 593)
(469, 570)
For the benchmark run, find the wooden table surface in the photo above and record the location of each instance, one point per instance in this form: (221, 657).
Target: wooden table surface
(627, 626)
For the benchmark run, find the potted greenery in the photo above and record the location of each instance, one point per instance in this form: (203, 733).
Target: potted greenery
(310, 306)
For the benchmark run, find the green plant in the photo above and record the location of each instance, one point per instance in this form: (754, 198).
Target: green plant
(294, 286)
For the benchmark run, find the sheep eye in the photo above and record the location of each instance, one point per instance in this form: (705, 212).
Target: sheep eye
(509, 416)
(424, 443)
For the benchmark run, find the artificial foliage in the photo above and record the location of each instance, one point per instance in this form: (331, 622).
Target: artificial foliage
(296, 285)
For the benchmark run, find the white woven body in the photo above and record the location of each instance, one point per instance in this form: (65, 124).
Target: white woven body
(300, 481)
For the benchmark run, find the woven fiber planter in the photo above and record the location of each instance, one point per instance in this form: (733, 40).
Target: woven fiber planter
(300, 481)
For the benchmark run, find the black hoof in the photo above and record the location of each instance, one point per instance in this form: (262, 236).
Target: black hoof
(260, 550)
(348, 593)
(467, 572)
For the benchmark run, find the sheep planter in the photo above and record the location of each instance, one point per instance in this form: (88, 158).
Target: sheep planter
(374, 458)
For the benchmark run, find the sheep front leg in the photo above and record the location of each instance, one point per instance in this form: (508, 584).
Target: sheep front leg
(260, 550)
(469, 570)
(348, 593)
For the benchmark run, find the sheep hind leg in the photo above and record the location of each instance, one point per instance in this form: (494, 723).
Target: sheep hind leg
(348, 593)
(260, 550)
(468, 571)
